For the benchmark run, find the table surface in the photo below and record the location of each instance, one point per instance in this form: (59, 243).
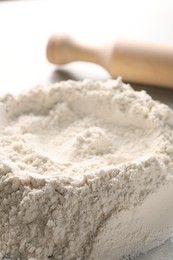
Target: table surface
(25, 27)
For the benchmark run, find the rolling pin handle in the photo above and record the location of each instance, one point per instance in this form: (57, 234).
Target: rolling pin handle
(133, 61)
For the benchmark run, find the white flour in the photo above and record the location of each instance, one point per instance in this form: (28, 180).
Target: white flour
(85, 172)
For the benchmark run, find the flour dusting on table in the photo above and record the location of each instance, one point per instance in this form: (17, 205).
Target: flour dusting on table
(85, 172)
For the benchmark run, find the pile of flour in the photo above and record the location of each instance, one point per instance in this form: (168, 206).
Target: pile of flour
(85, 172)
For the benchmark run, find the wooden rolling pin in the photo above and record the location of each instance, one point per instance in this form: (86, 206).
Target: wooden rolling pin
(134, 61)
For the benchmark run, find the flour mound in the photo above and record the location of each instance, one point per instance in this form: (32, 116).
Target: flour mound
(79, 162)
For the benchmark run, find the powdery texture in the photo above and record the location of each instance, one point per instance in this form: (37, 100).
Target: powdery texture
(85, 172)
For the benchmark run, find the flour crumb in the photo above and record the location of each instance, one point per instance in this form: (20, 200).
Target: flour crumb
(85, 172)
